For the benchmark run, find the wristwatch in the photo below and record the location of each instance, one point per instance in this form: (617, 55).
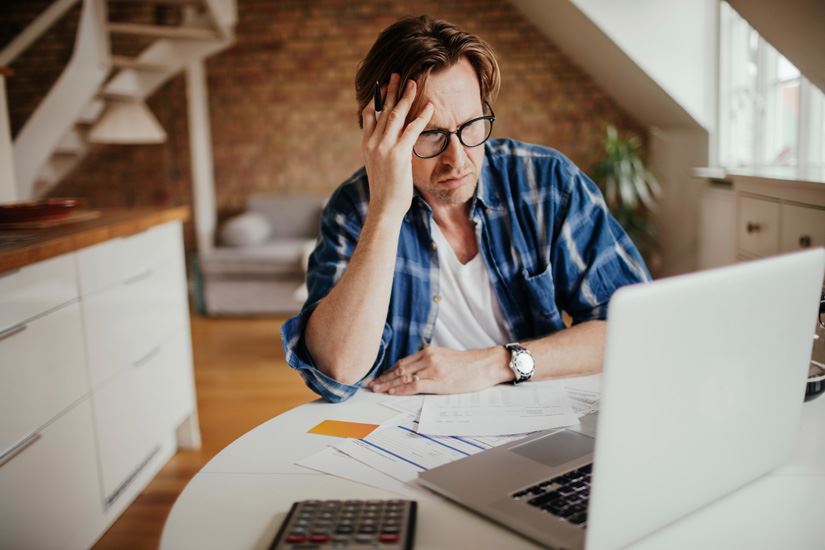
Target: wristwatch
(521, 361)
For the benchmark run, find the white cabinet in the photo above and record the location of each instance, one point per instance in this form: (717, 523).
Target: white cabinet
(120, 260)
(95, 379)
(128, 320)
(132, 412)
(758, 226)
(42, 372)
(36, 288)
(802, 227)
(49, 491)
(776, 216)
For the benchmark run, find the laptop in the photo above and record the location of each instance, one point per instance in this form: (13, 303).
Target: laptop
(702, 392)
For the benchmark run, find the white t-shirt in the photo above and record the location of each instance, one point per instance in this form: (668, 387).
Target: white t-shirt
(469, 316)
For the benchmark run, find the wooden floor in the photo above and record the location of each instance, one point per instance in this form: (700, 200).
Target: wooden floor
(241, 381)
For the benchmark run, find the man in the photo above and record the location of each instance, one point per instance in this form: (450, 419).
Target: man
(444, 264)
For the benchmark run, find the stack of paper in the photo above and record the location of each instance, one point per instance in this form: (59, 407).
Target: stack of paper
(500, 410)
(452, 427)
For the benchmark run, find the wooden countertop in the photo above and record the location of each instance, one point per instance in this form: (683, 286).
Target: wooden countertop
(35, 245)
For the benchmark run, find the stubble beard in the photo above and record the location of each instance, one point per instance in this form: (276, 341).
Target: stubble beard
(450, 197)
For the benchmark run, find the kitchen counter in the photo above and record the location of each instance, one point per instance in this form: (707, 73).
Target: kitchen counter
(34, 245)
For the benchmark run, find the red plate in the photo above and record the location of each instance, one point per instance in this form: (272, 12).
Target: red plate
(35, 211)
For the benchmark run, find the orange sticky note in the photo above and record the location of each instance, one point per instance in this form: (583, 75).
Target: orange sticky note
(339, 428)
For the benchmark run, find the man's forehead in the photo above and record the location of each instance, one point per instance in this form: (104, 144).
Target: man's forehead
(455, 94)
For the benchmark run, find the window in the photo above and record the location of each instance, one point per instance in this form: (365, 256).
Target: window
(769, 114)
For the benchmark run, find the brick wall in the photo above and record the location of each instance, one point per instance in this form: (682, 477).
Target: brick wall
(282, 102)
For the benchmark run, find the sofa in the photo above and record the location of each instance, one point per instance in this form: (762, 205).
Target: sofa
(259, 265)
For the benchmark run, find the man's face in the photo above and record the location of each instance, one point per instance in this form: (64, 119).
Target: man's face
(451, 177)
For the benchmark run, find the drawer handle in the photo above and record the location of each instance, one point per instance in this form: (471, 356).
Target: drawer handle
(9, 455)
(11, 331)
(754, 227)
(123, 486)
(139, 277)
(805, 241)
(146, 357)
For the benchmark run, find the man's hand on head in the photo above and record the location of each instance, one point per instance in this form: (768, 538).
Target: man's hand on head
(444, 370)
(387, 146)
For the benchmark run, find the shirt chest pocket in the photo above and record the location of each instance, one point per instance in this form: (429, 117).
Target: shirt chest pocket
(540, 294)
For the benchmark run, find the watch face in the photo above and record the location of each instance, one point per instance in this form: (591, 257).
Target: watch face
(524, 363)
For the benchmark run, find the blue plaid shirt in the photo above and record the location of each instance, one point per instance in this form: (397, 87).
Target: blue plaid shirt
(544, 233)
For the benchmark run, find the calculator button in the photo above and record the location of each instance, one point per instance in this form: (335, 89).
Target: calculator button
(319, 537)
(364, 539)
(296, 538)
(344, 529)
(388, 538)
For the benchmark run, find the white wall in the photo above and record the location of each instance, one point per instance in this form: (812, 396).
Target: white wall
(658, 60)
(8, 187)
(673, 41)
(672, 156)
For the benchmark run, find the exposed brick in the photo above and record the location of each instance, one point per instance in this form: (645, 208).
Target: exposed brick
(282, 99)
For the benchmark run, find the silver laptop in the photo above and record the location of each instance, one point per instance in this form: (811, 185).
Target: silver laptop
(690, 364)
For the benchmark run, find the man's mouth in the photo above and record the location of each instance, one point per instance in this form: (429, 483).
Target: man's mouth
(454, 181)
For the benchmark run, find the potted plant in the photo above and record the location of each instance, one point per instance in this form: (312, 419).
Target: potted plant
(630, 190)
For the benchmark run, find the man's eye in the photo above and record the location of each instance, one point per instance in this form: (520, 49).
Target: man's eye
(433, 137)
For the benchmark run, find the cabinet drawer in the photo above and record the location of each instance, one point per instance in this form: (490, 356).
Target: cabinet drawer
(42, 372)
(36, 288)
(130, 419)
(127, 322)
(758, 226)
(50, 492)
(176, 386)
(802, 227)
(119, 260)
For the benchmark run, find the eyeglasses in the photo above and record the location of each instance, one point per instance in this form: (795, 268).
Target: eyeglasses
(472, 133)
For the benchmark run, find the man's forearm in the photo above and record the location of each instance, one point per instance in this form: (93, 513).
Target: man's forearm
(576, 351)
(344, 332)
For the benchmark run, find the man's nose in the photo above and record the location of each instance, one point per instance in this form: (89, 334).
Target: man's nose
(454, 154)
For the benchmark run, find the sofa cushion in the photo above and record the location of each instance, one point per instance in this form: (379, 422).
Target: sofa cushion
(279, 257)
(247, 229)
(289, 216)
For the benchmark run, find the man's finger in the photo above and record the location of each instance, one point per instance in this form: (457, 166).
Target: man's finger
(408, 360)
(414, 128)
(419, 385)
(397, 377)
(398, 115)
(389, 103)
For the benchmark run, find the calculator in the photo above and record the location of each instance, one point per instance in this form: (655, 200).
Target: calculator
(353, 524)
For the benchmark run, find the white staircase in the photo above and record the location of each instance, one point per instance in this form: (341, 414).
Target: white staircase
(56, 136)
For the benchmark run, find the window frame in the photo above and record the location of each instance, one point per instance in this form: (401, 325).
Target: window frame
(763, 113)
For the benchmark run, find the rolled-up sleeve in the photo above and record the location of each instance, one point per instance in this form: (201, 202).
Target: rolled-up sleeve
(593, 255)
(341, 223)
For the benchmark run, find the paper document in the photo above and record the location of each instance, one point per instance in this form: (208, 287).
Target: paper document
(584, 393)
(410, 404)
(396, 449)
(499, 410)
(334, 462)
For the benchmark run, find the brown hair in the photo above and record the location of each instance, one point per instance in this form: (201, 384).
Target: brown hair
(416, 46)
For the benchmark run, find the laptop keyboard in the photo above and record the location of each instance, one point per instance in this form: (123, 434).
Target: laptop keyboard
(564, 496)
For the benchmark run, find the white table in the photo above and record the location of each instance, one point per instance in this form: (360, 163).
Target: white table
(239, 499)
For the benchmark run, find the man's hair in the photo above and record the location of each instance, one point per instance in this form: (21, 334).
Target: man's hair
(414, 47)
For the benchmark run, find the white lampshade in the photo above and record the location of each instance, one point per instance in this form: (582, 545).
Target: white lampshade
(127, 122)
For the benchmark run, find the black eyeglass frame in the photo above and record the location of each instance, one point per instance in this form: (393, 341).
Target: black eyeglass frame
(448, 134)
